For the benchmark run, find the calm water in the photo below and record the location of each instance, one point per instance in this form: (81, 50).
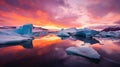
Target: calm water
(49, 51)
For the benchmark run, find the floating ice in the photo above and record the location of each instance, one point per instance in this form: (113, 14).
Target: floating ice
(77, 32)
(113, 34)
(25, 29)
(6, 39)
(86, 32)
(66, 32)
(16, 36)
(86, 52)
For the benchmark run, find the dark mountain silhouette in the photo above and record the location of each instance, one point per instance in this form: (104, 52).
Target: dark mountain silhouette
(112, 28)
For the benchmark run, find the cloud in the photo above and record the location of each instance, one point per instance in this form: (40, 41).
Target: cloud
(60, 13)
(12, 2)
(38, 12)
(103, 7)
(117, 22)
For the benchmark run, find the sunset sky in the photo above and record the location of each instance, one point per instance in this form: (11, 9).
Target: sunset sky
(60, 13)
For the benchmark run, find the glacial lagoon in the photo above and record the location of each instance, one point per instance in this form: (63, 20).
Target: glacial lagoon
(49, 51)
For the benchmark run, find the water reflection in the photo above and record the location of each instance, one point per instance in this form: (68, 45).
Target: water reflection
(49, 51)
(85, 40)
(83, 53)
(37, 42)
(25, 44)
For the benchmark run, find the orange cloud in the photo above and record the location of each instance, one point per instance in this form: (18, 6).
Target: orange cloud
(58, 13)
(42, 19)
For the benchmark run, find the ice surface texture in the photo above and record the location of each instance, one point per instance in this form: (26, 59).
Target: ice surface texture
(21, 34)
(87, 52)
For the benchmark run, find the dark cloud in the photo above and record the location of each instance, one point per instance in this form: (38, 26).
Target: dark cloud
(103, 7)
(115, 5)
(20, 4)
(31, 5)
(12, 2)
(3, 8)
(99, 9)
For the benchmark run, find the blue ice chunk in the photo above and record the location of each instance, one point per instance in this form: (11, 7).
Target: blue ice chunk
(25, 29)
(86, 32)
(24, 33)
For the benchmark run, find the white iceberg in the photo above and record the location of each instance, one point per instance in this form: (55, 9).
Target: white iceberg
(66, 32)
(87, 52)
(15, 36)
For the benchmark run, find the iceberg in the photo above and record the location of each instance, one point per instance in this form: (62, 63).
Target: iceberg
(66, 32)
(21, 34)
(25, 30)
(83, 51)
(86, 32)
(5, 39)
(109, 34)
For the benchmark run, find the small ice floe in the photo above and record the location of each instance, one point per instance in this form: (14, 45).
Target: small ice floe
(83, 51)
(66, 32)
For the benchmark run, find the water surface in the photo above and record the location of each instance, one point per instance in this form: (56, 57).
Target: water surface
(49, 51)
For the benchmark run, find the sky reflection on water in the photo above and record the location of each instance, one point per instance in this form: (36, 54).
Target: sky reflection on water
(49, 51)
